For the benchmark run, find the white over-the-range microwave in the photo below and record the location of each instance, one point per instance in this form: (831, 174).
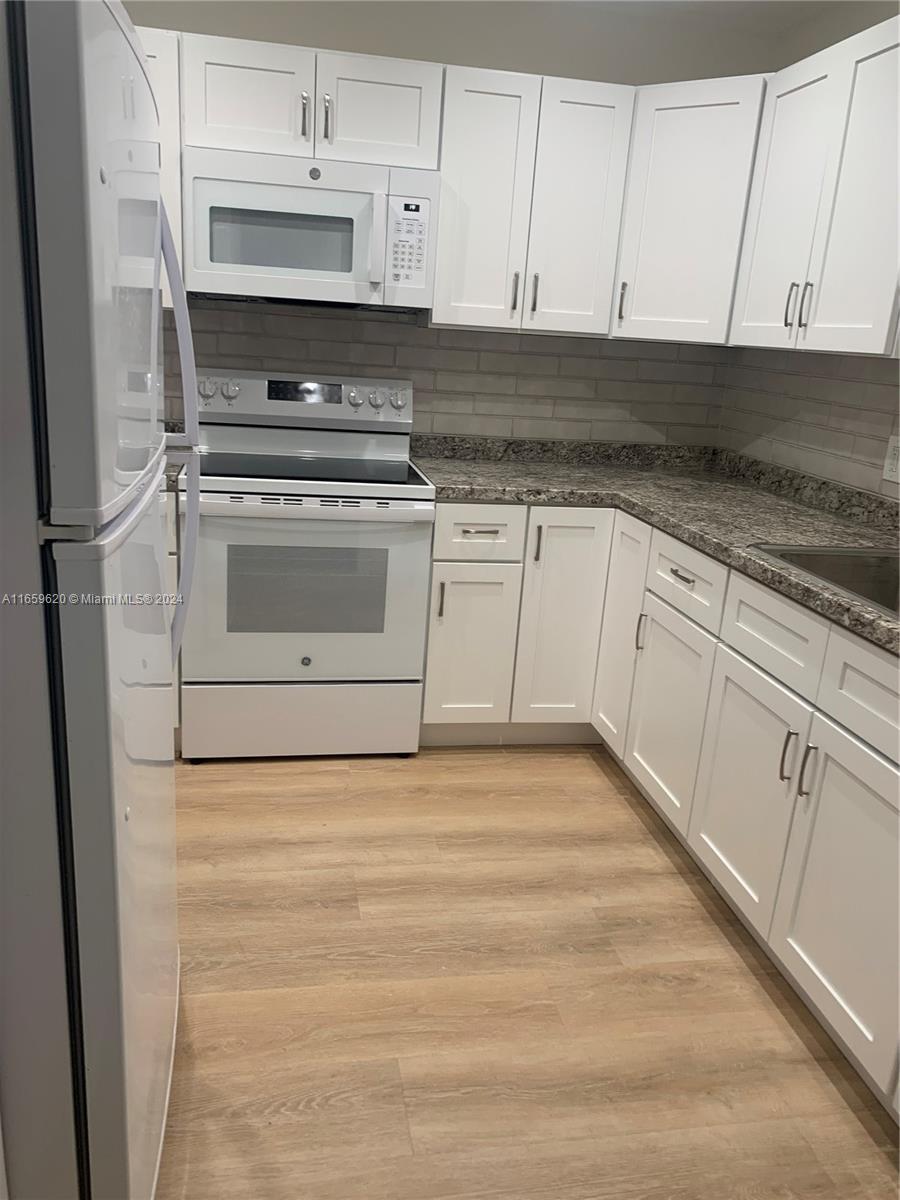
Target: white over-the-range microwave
(288, 228)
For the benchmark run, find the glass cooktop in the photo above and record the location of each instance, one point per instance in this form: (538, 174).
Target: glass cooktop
(297, 467)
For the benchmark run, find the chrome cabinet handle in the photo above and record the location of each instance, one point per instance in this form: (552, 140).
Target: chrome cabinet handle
(637, 631)
(791, 733)
(622, 300)
(442, 591)
(792, 290)
(537, 545)
(801, 791)
(534, 293)
(515, 295)
(304, 114)
(327, 106)
(686, 579)
(468, 532)
(807, 290)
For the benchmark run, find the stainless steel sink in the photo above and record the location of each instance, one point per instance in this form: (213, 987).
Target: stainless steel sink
(871, 574)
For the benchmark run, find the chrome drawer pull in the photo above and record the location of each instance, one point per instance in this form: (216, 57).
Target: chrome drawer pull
(537, 546)
(807, 290)
(534, 293)
(638, 645)
(327, 107)
(304, 114)
(784, 749)
(789, 321)
(622, 301)
(515, 295)
(492, 532)
(442, 590)
(686, 579)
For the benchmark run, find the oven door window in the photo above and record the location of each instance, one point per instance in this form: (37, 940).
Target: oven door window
(306, 589)
(307, 599)
(298, 241)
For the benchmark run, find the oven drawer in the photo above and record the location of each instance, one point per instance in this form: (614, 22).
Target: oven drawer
(480, 532)
(308, 594)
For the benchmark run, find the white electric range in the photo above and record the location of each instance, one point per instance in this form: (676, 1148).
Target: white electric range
(306, 634)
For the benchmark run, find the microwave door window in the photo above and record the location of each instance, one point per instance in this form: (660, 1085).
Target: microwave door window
(295, 241)
(306, 589)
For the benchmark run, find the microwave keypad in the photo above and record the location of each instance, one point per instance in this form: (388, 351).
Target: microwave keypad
(408, 241)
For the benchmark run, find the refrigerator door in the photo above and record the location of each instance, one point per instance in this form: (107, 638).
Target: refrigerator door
(96, 153)
(118, 691)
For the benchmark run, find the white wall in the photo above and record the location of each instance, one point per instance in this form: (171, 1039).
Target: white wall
(620, 41)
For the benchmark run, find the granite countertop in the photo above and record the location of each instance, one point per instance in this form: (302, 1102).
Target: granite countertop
(722, 518)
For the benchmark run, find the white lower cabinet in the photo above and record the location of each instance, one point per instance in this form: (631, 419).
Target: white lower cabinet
(835, 927)
(471, 641)
(567, 554)
(746, 783)
(628, 560)
(668, 707)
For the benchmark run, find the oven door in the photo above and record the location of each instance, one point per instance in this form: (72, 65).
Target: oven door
(292, 588)
(270, 225)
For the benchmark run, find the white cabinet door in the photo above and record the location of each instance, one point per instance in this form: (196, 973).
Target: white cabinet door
(240, 95)
(579, 182)
(800, 112)
(616, 659)
(487, 163)
(161, 48)
(749, 764)
(691, 158)
(567, 553)
(472, 641)
(668, 708)
(835, 923)
(853, 269)
(378, 110)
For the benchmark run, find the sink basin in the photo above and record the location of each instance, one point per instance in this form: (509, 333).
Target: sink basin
(870, 574)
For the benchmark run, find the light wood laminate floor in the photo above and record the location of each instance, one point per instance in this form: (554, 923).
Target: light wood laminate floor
(485, 974)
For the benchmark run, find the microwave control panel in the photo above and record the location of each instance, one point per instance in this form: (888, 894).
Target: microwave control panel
(407, 252)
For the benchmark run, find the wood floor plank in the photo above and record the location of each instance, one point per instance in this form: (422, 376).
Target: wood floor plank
(487, 974)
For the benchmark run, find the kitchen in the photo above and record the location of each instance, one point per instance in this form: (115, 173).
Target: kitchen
(536, 786)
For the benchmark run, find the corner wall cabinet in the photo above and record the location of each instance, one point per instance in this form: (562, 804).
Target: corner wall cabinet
(819, 261)
(691, 158)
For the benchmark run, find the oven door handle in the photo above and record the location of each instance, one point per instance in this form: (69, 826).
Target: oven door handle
(215, 506)
(378, 244)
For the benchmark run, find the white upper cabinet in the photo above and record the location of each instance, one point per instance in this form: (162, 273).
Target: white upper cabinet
(567, 554)
(753, 746)
(691, 159)
(854, 262)
(378, 110)
(240, 95)
(161, 49)
(628, 560)
(835, 923)
(820, 257)
(487, 164)
(576, 209)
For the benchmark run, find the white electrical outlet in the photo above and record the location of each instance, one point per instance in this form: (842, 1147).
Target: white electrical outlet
(892, 461)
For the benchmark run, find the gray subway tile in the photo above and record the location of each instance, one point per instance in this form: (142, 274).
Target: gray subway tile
(862, 421)
(552, 385)
(469, 381)
(470, 424)
(677, 372)
(598, 368)
(535, 364)
(437, 359)
(478, 339)
(532, 427)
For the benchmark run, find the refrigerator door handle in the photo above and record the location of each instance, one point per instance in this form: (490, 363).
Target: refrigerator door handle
(188, 547)
(191, 435)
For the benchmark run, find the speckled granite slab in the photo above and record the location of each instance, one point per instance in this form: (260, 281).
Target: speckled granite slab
(719, 516)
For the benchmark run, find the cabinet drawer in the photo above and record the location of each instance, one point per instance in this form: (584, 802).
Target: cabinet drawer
(480, 532)
(691, 582)
(860, 688)
(779, 635)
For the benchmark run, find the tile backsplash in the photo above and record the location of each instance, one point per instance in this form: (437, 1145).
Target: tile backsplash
(828, 415)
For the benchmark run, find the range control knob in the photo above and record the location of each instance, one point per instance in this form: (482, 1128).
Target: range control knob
(398, 400)
(230, 389)
(207, 388)
(376, 399)
(354, 398)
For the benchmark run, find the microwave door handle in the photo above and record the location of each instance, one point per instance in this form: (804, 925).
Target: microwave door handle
(191, 435)
(378, 244)
(188, 557)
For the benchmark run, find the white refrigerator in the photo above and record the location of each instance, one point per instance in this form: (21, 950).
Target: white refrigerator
(88, 935)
